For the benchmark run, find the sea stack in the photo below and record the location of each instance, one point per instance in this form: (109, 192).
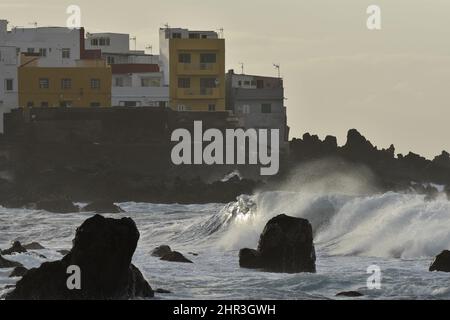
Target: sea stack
(286, 246)
(102, 250)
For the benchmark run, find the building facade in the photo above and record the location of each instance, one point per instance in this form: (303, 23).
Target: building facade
(86, 84)
(193, 64)
(258, 102)
(137, 80)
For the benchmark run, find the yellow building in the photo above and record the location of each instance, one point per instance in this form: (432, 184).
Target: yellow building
(86, 84)
(195, 64)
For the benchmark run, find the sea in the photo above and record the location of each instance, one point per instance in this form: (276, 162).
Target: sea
(398, 233)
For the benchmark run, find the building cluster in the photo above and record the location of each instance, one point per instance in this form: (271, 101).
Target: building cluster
(46, 67)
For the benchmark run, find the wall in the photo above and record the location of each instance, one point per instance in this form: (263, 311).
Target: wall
(194, 72)
(81, 94)
(8, 70)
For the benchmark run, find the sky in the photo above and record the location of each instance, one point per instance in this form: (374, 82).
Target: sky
(393, 84)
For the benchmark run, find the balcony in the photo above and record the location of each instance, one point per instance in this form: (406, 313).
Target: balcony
(202, 93)
(198, 68)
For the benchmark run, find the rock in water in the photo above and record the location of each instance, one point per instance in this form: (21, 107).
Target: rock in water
(102, 249)
(57, 206)
(161, 251)
(286, 245)
(16, 248)
(103, 206)
(442, 262)
(249, 258)
(34, 246)
(4, 264)
(18, 272)
(350, 294)
(175, 256)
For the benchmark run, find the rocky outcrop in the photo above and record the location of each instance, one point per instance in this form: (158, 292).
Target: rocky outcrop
(18, 272)
(57, 206)
(161, 251)
(34, 246)
(102, 249)
(4, 263)
(286, 245)
(175, 256)
(102, 206)
(350, 294)
(442, 262)
(16, 248)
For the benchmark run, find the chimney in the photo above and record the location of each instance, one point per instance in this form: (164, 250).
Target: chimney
(3, 28)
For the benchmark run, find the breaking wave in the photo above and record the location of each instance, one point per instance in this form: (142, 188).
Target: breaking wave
(391, 225)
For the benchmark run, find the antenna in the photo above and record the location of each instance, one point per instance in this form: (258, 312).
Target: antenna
(35, 24)
(277, 66)
(220, 33)
(135, 40)
(242, 67)
(149, 47)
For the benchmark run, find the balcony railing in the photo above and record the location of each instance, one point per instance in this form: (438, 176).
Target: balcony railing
(211, 93)
(198, 66)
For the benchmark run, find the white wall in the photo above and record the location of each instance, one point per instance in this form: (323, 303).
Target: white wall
(8, 70)
(118, 42)
(51, 39)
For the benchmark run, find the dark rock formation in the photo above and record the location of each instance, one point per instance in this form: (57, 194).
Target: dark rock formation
(57, 206)
(103, 206)
(102, 249)
(350, 294)
(18, 272)
(161, 251)
(34, 246)
(442, 262)
(286, 245)
(4, 264)
(16, 248)
(250, 258)
(162, 291)
(175, 256)
(64, 252)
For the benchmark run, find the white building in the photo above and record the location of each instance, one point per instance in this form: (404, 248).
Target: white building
(57, 47)
(137, 80)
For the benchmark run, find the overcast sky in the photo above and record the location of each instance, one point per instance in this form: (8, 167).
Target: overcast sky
(393, 85)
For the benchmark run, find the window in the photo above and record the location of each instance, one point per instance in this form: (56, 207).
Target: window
(9, 84)
(266, 108)
(240, 83)
(184, 58)
(94, 42)
(246, 109)
(208, 58)
(260, 84)
(65, 104)
(95, 83)
(111, 60)
(66, 83)
(208, 82)
(176, 35)
(184, 83)
(181, 107)
(119, 82)
(194, 35)
(130, 103)
(43, 52)
(65, 53)
(150, 82)
(30, 50)
(247, 83)
(95, 104)
(211, 107)
(104, 41)
(44, 83)
(30, 104)
(44, 104)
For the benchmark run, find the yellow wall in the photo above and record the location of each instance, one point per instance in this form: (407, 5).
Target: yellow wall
(81, 94)
(192, 98)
